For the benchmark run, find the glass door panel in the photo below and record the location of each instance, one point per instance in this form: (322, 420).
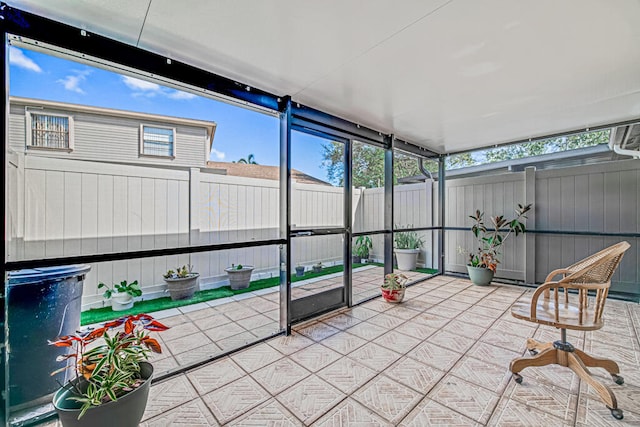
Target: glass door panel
(317, 224)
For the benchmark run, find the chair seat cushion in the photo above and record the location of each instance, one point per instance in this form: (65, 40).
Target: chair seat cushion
(568, 314)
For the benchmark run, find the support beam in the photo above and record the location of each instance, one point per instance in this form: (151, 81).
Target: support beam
(348, 221)
(285, 217)
(530, 238)
(441, 212)
(388, 208)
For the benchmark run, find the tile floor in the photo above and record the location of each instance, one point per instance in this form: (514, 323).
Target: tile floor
(439, 358)
(205, 330)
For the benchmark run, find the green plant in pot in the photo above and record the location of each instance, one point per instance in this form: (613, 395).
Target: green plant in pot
(121, 294)
(407, 246)
(112, 378)
(393, 287)
(483, 262)
(182, 283)
(361, 248)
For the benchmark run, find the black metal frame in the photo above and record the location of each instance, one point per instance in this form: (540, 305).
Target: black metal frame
(38, 29)
(4, 360)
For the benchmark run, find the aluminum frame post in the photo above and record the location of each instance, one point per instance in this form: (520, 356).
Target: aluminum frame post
(388, 208)
(348, 222)
(285, 217)
(441, 211)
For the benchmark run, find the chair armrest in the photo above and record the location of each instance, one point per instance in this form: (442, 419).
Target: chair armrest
(554, 273)
(536, 295)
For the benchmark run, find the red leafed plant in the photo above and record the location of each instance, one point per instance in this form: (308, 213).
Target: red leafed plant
(109, 357)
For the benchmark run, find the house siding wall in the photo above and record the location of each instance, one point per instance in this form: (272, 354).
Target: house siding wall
(113, 139)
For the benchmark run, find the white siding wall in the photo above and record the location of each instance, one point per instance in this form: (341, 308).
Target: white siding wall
(113, 139)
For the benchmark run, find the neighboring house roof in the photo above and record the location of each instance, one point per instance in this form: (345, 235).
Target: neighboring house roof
(262, 171)
(31, 102)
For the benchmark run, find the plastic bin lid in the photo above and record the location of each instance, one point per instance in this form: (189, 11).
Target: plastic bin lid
(35, 275)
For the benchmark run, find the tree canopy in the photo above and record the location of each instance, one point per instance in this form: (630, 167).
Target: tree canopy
(368, 161)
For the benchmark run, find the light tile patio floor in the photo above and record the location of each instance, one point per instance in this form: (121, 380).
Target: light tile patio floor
(439, 358)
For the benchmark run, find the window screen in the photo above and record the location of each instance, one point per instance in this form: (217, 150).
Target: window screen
(49, 131)
(157, 141)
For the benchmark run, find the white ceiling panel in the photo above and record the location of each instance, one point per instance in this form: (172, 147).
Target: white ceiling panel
(280, 46)
(478, 73)
(119, 19)
(446, 74)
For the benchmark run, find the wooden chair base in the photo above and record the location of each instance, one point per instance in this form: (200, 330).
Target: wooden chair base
(576, 360)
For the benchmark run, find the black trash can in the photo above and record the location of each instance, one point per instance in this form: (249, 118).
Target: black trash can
(43, 304)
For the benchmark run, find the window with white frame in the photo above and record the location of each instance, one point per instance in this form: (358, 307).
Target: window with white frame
(157, 141)
(49, 131)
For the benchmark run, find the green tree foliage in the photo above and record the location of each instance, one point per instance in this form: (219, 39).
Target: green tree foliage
(368, 165)
(544, 146)
(368, 161)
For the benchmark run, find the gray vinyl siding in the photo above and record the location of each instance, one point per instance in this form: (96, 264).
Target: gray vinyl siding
(598, 198)
(602, 198)
(17, 136)
(114, 139)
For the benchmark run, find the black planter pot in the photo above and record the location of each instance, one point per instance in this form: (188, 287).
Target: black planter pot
(127, 411)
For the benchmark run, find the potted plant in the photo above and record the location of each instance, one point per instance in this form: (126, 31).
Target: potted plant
(112, 378)
(361, 249)
(317, 267)
(181, 283)
(121, 294)
(239, 276)
(393, 287)
(299, 270)
(407, 246)
(482, 263)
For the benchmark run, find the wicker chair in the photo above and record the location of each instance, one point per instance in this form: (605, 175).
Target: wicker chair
(576, 301)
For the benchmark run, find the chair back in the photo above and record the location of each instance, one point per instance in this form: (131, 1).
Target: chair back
(590, 274)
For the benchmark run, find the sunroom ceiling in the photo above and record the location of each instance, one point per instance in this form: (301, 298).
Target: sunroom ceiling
(445, 74)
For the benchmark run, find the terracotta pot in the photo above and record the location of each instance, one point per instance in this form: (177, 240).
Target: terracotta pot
(393, 295)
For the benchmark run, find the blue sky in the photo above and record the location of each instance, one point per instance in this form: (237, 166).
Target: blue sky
(239, 132)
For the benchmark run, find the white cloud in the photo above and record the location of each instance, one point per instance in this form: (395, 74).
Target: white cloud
(149, 90)
(177, 94)
(72, 81)
(140, 85)
(219, 154)
(18, 58)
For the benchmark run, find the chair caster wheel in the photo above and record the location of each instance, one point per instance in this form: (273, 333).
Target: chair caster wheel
(533, 352)
(616, 413)
(518, 378)
(617, 379)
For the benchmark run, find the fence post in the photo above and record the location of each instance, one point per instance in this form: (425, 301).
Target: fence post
(194, 211)
(530, 238)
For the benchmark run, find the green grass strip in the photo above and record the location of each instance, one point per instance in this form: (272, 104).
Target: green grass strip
(103, 314)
